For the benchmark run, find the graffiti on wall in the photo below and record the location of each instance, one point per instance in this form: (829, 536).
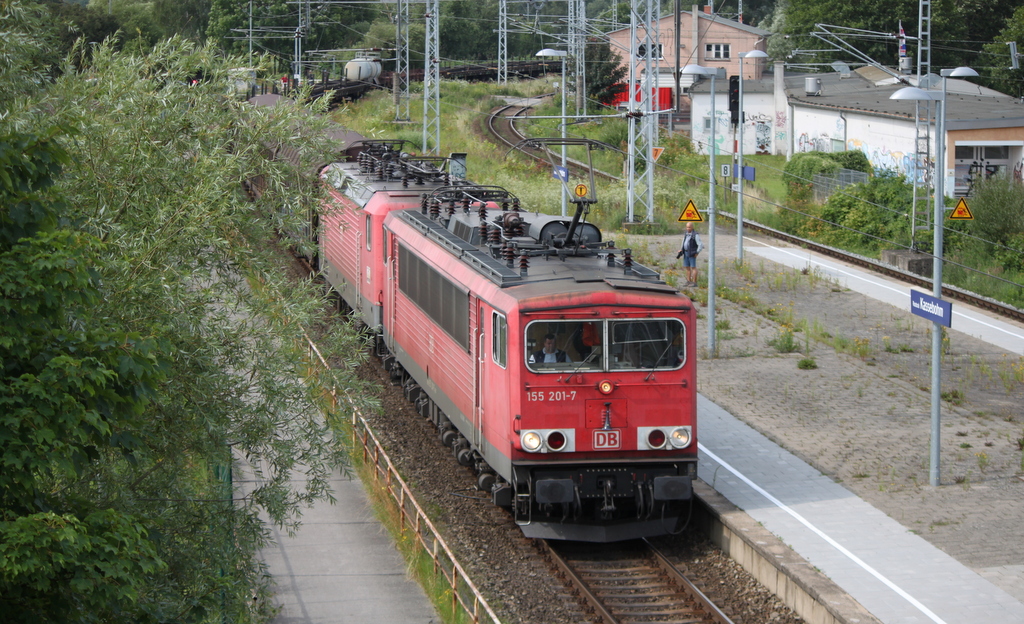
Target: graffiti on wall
(820, 143)
(885, 159)
(762, 133)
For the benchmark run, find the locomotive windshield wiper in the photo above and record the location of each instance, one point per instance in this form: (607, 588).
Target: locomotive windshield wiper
(660, 355)
(580, 367)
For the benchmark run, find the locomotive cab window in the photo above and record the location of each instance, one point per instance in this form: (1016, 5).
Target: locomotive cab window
(645, 344)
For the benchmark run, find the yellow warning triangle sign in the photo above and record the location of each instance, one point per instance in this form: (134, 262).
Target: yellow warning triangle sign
(961, 212)
(656, 153)
(690, 213)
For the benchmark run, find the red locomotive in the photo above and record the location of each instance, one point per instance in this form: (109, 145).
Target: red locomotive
(550, 362)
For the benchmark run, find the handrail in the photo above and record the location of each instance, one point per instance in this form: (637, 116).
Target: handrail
(462, 588)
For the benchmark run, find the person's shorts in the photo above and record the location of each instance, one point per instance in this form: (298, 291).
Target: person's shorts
(689, 261)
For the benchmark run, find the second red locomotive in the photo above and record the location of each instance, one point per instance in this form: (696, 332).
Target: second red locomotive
(557, 368)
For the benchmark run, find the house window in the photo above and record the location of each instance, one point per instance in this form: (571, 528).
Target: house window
(707, 124)
(716, 51)
(641, 51)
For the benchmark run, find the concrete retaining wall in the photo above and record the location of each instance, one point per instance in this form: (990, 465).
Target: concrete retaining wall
(804, 589)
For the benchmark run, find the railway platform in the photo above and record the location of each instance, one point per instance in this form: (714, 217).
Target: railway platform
(831, 460)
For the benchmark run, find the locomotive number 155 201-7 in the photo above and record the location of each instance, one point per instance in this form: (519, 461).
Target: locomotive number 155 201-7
(551, 395)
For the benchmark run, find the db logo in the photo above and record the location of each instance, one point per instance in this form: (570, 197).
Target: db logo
(607, 439)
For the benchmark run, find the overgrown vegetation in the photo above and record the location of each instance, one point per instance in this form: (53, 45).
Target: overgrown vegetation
(150, 339)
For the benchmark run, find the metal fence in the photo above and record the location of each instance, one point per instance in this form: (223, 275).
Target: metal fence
(824, 186)
(464, 594)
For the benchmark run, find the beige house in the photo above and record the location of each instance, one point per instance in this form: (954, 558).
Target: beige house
(704, 39)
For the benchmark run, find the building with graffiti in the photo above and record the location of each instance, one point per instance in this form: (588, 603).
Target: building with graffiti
(852, 111)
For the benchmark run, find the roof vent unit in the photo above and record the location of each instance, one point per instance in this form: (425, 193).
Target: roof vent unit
(842, 69)
(812, 86)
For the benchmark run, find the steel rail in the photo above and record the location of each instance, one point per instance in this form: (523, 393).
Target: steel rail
(655, 583)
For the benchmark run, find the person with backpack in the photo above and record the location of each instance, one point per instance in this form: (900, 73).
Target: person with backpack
(691, 246)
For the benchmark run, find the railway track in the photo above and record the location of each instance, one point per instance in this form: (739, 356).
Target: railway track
(501, 124)
(950, 292)
(630, 583)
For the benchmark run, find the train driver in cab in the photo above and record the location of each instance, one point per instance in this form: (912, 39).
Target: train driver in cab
(549, 354)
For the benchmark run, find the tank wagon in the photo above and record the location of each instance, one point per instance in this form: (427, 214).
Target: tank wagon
(557, 368)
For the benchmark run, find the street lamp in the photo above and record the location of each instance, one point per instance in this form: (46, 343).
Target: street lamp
(561, 54)
(699, 71)
(914, 93)
(753, 54)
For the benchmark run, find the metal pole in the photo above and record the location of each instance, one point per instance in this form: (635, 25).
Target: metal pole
(738, 175)
(711, 228)
(940, 205)
(564, 183)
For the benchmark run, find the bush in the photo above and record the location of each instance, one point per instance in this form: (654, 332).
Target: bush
(800, 172)
(852, 159)
(875, 212)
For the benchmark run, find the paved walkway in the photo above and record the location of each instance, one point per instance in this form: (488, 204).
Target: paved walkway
(977, 323)
(908, 552)
(899, 577)
(342, 568)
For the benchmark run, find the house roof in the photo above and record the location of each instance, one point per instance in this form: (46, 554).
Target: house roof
(868, 89)
(717, 19)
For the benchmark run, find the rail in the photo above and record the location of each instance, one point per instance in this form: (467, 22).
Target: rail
(631, 582)
(500, 113)
(464, 594)
(914, 279)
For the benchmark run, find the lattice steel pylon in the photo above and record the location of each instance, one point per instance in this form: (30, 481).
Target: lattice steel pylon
(502, 41)
(924, 173)
(577, 52)
(643, 124)
(432, 80)
(401, 84)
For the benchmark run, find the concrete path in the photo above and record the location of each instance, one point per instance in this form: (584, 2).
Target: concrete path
(342, 568)
(976, 323)
(898, 576)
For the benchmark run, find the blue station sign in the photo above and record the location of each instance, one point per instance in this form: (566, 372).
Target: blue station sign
(932, 308)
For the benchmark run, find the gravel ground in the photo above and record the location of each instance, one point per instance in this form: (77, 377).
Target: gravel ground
(504, 564)
(863, 416)
(860, 417)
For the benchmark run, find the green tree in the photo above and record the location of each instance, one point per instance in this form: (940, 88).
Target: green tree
(151, 341)
(72, 388)
(997, 58)
(958, 28)
(868, 216)
(604, 76)
(998, 208)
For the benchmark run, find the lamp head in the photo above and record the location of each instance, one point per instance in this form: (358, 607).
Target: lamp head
(913, 93)
(551, 52)
(958, 72)
(755, 54)
(696, 70)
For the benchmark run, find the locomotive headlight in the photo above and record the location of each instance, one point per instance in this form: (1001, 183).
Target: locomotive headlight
(605, 387)
(531, 441)
(680, 437)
